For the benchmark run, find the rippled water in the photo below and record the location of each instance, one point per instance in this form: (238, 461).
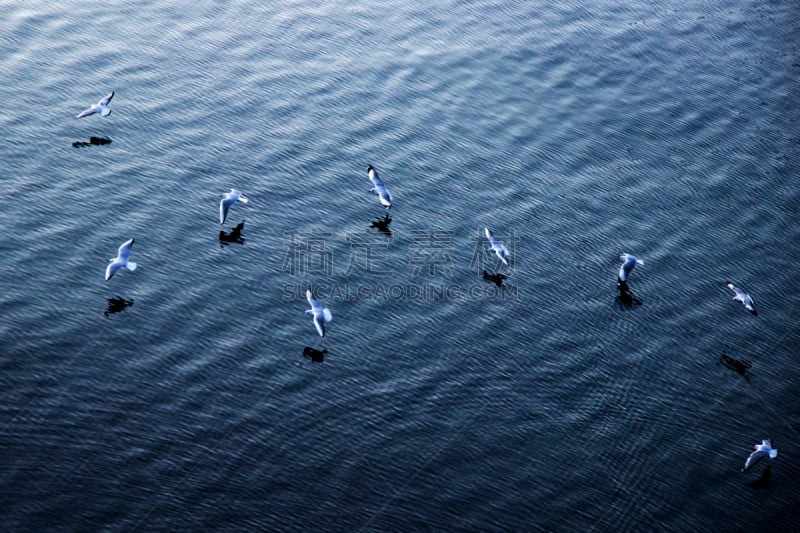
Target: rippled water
(576, 132)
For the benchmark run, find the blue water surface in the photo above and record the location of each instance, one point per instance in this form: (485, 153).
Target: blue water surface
(575, 131)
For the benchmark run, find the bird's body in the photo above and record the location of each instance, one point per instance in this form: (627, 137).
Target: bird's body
(628, 262)
(227, 201)
(121, 260)
(100, 107)
(319, 314)
(496, 246)
(379, 188)
(741, 296)
(760, 451)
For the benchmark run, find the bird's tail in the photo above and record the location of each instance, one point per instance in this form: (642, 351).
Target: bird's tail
(131, 266)
(327, 313)
(773, 454)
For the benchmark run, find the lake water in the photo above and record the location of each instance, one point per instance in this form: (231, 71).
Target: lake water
(575, 131)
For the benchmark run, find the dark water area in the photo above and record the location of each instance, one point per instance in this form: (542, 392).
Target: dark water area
(194, 393)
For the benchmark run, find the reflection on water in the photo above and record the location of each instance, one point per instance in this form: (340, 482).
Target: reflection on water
(763, 482)
(234, 236)
(496, 278)
(740, 367)
(316, 356)
(93, 141)
(626, 297)
(383, 225)
(117, 304)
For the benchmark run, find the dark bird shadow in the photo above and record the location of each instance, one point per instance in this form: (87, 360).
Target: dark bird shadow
(763, 482)
(93, 141)
(626, 297)
(316, 356)
(234, 236)
(382, 224)
(497, 278)
(740, 367)
(115, 305)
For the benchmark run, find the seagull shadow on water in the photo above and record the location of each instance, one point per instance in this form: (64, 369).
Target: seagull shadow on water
(93, 141)
(496, 278)
(115, 305)
(234, 236)
(316, 356)
(626, 297)
(740, 367)
(383, 225)
(763, 482)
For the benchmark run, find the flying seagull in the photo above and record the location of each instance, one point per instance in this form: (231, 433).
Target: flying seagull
(320, 315)
(741, 296)
(379, 188)
(121, 260)
(497, 247)
(227, 201)
(759, 452)
(100, 107)
(628, 262)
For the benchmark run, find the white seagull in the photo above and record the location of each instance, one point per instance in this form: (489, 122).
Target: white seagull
(379, 188)
(121, 260)
(759, 452)
(496, 246)
(227, 201)
(320, 315)
(741, 296)
(628, 262)
(100, 107)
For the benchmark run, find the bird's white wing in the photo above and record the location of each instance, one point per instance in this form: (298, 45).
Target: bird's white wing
(112, 268)
(319, 323)
(224, 204)
(92, 110)
(753, 458)
(125, 250)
